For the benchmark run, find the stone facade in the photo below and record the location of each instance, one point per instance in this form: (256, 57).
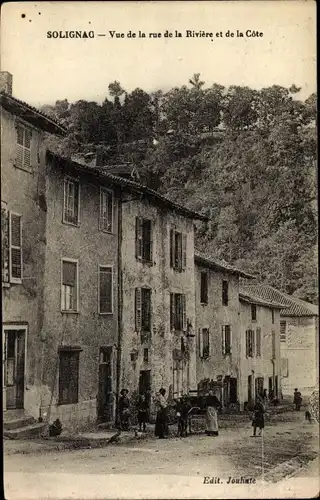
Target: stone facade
(154, 351)
(261, 365)
(217, 364)
(299, 354)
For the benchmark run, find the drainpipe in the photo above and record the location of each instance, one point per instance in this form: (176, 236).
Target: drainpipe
(120, 308)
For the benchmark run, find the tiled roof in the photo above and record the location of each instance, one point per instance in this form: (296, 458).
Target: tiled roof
(31, 115)
(251, 298)
(294, 306)
(220, 265)
(130, 185)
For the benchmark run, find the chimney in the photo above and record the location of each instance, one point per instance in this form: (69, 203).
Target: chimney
(6, 82)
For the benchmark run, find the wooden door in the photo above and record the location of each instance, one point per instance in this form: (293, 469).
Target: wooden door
(14, 368)
(250, 389)
(105, 396)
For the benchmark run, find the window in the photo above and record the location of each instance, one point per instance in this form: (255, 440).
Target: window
(143, 239)
(272, 316)
(253, 312)
(4, 242)
(178, 320)
(15, 248)
(273, 333)
(204, 343)
(226, 340)
(71, 202)
(69, 288)
(283, 331)
(145, 355)
(23, 147)
(258, 342)
(284, 367)
(68, 376)
(143, 309)
(225, 293)
(106, 210)
(249, 343)
(178, 250)
(105, 290)
(204, 288)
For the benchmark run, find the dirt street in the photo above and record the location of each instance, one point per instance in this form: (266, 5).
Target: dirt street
(175, 466)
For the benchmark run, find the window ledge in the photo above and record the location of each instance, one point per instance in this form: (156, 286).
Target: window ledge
(69, 312)
(106, 314)
(15, 281)
(203, 303)
(69, 403)
(71, 223)
(146, 262)
(105, 231)
(28, 170)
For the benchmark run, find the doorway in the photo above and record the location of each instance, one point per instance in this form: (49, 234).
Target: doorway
(14, 367)
(250, 389)
(145, 385)
(259, 386)
(105, 396)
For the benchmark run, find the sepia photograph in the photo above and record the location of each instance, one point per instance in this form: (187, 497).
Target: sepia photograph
(159, 250)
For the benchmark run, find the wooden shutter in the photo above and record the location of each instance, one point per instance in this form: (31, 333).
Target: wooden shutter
(138, 309)
(172, 247)
(247, 343)
(253, 343)
(4, 242)
(223, 344)
(184, 312)
(200, 343)
(139, 224)
(110, 211)
(184, 252)
(15, 233)
(151, 242)
(227, 334)
(27, 145)
(273, 344)
(258, 342)
(19, 146)
(172, 312)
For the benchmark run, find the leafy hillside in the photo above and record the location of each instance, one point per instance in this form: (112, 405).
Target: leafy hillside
(246, 158)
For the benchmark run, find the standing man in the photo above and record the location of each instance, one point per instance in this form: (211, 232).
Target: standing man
(124, 409)
(297, 399)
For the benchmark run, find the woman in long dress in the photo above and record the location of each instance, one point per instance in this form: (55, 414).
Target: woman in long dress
(212, 404)
(258, 417)
(161, 428)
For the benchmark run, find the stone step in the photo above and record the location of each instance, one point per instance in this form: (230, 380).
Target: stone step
(29, 431)
(9, 425)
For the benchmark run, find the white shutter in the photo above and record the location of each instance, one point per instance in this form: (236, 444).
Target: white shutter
(15, 247)
(223, 343)
(200, 343)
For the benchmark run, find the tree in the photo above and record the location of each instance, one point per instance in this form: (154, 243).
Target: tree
(195, 81)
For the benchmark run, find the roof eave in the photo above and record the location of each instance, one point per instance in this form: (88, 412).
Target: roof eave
(219, 267)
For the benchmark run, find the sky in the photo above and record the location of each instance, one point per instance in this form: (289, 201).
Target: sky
(46, 69)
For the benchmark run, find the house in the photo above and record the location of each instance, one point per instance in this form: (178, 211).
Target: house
(23, 216)
(88, 278)
(218, 328)
(299, 341)
(260, 365)
(158, 288)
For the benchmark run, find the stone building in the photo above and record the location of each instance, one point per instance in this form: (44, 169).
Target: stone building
(219, 345)
(260, 365)
(158, 316)
(299, 341)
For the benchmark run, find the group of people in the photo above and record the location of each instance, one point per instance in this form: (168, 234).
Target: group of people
(183, 407)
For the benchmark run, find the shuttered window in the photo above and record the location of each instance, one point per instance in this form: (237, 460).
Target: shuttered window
(105, 290)
(71, 202)
(225, 293)
(4, 242)
(178, 320)
(226, 340)
(253, 312)
(249, 343)
(23, 153)
(68, 376)
(258, 341)
(283, 331)
(69, 286)
(178, 250)
(143, 309)
(15, 248)
(106, 210)
(273, 333)
(144, 242)
(204, 287)
(205, 343)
